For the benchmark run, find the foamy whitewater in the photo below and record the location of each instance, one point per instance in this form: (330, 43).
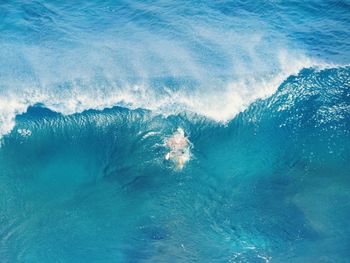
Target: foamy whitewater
(174, 131)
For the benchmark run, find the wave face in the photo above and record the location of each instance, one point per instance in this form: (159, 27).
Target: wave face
(174, 131)
(271, 185)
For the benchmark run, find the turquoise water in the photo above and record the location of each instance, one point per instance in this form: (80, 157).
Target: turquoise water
(91, 93)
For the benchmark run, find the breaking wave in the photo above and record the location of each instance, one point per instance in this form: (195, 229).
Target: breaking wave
(174, 131)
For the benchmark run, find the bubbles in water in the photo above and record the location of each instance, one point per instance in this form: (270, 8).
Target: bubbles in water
(24, 132)
(179, 146)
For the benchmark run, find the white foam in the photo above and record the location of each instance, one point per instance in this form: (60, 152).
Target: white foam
(179, 147)
(221, 103)
(228, 62)
(24, 132)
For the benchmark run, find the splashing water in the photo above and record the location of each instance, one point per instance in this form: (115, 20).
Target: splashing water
(179, 147)
(174, 131)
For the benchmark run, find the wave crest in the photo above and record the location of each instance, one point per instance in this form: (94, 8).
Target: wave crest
(220, 103)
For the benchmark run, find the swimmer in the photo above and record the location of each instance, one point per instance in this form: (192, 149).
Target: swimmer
(179, 148)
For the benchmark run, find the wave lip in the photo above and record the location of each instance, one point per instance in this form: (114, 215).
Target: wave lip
(220, 103)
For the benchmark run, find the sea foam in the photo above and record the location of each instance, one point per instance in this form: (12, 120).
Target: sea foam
(220, 103)
(220, 63)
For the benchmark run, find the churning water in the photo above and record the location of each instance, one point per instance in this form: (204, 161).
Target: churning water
(174, 131)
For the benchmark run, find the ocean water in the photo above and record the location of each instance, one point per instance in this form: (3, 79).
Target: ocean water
(174, 131)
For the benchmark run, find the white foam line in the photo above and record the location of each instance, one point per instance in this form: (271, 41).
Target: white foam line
(221, 106)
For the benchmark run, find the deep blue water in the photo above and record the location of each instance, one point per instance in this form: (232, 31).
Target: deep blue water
(91, 93)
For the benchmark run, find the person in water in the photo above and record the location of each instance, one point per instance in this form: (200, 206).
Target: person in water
(179, 148)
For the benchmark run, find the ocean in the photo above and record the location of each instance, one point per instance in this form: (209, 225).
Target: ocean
(174, 131)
